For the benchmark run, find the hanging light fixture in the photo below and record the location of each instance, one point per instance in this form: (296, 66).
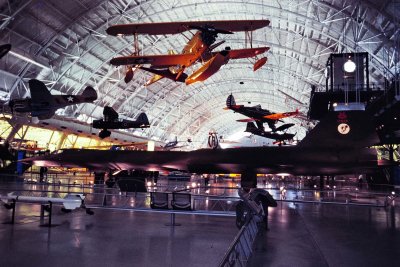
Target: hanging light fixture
(349, 66)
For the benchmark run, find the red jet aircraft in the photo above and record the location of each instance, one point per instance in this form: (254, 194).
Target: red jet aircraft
(260, 115)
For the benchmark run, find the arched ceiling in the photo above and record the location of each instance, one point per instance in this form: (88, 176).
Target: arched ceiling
(64, 43)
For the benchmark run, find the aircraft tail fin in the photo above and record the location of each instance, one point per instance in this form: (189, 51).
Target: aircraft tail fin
(110, 114)
(89, 94)
(230, 101)
(39, 92)
(143, 120)
(347, 129)
(250, 127)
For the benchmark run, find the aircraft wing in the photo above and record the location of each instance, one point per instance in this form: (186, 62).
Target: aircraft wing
(247, 52)
(159, 28)
(246, 120)
(277, 116)
(284, 127)
(156, 60)
(233, 107)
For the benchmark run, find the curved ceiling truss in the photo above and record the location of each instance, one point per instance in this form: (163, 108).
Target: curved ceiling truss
(64, 44)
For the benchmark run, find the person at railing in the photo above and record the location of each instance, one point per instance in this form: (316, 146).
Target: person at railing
(41, 174)
(261, 197)
(264, 198)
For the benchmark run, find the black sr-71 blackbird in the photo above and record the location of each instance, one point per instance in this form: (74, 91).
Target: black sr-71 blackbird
(339, 144)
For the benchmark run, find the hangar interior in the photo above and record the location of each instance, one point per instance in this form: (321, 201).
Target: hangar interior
(65, 45)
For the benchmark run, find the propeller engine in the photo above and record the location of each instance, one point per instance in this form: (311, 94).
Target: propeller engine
(208, 33)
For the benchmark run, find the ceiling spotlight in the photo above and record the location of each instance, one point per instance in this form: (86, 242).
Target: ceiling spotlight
(349, 66)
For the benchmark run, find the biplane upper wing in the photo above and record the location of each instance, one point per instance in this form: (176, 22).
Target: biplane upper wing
(178, 27)
(247, 52)
(155, 60)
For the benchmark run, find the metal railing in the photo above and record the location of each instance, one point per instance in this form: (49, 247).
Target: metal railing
(241, 248)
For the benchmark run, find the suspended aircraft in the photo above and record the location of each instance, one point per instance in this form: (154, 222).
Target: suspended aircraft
(199, 48)
(43, 105)
(278, 137)
(111, 121)
(259, 115)
(4, 49)
(328, 149)
(174, 144)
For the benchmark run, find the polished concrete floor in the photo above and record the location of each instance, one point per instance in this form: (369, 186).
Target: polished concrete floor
(113, 238)
(299, 235)
(329, 235)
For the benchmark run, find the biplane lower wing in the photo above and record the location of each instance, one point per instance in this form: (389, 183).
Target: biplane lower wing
(164, 73)
(156, 60)
(159, 28)
(247, 52)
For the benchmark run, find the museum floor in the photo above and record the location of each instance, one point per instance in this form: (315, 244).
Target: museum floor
(301, 234)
